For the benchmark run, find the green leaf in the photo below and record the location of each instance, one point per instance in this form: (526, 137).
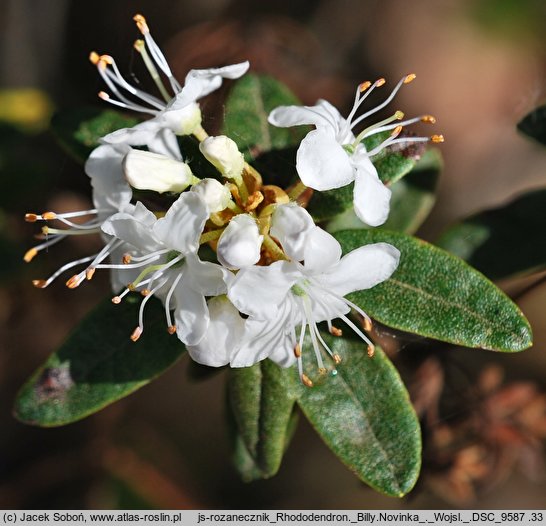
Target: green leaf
(412, 199)
(79, 130)
(391, 167)
(247, 108)
(262, 402)
(98, 365)
(437, 295)
(364, 415)
(504, 241)
(534, 124)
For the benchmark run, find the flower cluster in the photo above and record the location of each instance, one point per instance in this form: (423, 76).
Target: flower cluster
(276, 275)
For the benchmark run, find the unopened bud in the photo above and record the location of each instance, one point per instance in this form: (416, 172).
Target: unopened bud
(215, 195)
(224, 154)
(152, 171)
(240, 243)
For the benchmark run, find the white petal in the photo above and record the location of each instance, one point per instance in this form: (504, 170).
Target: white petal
(321, 252)
(215, 195)
(183, 223)
(224, 154)
(371, 197)
(110, 189)
(361, 269)
(182, 116)
(290, 224)
(258, 291)
(207, 278)
(240, 243)
(319, 115)
(201, 82)
(152, 171)
(322, 163)
(165, 143)
(223, 335)
(267, 339)
(139, 135)
(133, 230)
(191, 315)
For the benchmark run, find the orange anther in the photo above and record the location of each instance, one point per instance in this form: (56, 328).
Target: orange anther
(39, 283)
(409, 78)
(136, 334)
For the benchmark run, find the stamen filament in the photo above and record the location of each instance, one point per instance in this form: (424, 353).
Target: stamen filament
(42, 284)
(152, 70)
(398, 115)
(48, 230)
(168, 301)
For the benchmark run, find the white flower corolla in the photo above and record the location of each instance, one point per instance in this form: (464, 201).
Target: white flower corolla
(224, 155)
(240, 243)
(286, 294)
(111, 194)
(165, 253)
(215, 195)
(153, 171)
(331, 156)
(223, 336)
(291, 224)
(177, 114)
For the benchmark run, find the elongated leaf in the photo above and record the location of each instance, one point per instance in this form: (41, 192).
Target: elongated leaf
(247, 108)
(391, 167)
(503, 241)
(98, 365)
(534, 124)
(364, 415)
(79, 130)
(262, 404)
(412, 199)
(437, 295)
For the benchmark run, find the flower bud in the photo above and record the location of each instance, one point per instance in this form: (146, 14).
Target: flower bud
(223, 153)
(152, 171)
(291, 224)
(215, 195)
(240, 243)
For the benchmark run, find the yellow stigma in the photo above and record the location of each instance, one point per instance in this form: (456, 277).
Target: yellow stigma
(94, 57)
(371, 350)
(364, 86)
(379, 82)
(429, 119)
(139, 45)
(306, 380)
(322, 371)
(136, 334)
(45, 230)
(30, 254)
(398, 115)
(141, 24)
(409, 78)
(39, 283)
(437, 138)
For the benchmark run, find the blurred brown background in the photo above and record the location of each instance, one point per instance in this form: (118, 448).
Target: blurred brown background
(480, 66)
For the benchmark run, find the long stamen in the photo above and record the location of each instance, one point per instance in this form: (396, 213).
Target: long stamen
(429, 119)
(392, 138)
(43, 283)
(171, 328)
(140, 47)
(312, 331)
(140, 329)
(105, 97)
(33, 252)
(156, 52)
(153, 268)
(359, 333)
(362, 93)
(404, 80)
(398, 115)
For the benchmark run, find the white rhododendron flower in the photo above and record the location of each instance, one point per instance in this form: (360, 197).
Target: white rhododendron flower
(177, 114)
(216, 196)
(152, 171)
(331, 156)
(223, 153)
(240, 243)
(165, 250)
(286, 294)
